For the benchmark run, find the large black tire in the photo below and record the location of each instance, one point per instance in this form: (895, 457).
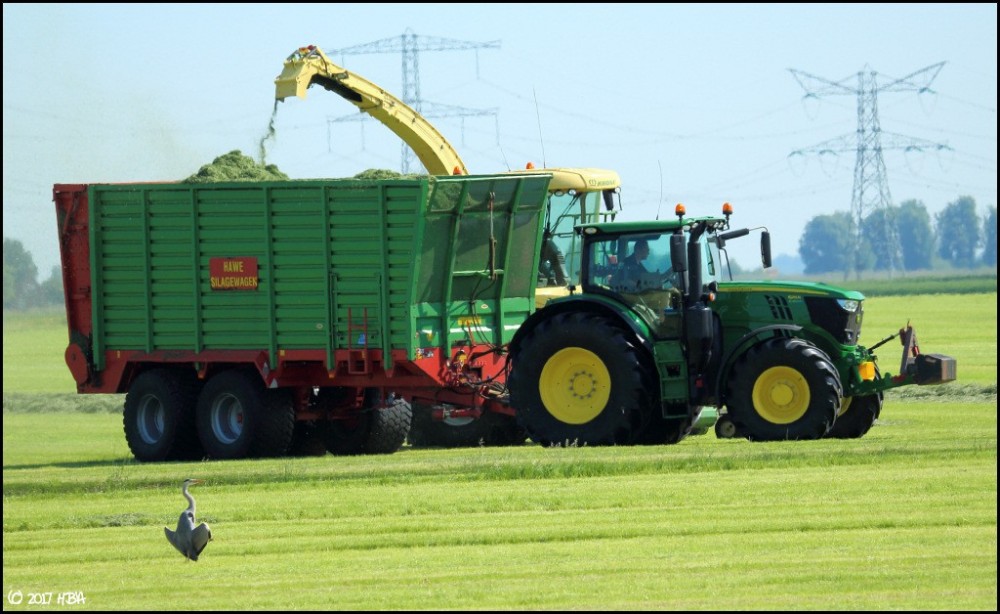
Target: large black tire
(238, 418)
(783, 389)
(490, 429)
(389, 426)
(379, 428)
(857, 417)
(576, 380)
(274, 437)
(158, 417)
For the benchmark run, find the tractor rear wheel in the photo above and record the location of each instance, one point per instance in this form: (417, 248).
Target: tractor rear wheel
(576, 380)
(784, 389)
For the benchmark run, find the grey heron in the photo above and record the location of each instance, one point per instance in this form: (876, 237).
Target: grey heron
(189, 539)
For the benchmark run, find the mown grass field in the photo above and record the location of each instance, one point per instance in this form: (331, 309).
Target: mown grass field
(904, 518)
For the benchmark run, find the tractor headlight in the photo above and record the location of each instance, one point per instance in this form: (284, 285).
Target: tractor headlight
(848, 305)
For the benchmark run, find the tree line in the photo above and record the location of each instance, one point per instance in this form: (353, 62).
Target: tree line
(21, 288)
(958, 237)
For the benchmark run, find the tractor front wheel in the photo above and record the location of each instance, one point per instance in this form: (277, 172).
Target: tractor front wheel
(784, 388)
(857, 417)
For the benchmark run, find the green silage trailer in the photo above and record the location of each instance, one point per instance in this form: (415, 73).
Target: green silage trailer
(257, 319)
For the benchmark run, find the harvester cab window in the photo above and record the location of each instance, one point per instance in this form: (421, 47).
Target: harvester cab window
(565, 211)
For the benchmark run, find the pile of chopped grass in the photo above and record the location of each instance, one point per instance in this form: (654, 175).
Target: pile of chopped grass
(235, 166)
(383, 173)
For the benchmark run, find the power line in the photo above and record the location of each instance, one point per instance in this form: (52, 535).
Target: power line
(409, 45)
(871, 183)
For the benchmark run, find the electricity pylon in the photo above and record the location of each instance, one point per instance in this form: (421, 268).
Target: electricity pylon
(409, 45)
(871, 182)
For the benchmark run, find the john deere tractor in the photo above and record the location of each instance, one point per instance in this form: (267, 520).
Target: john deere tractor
(654, 334)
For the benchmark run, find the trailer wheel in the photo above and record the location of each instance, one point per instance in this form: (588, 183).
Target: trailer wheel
(578, 381)
(857, 417)
(237, 417)
(389, 427)
(158, 416)
(373, 430)
(784, 389)
(277, 426)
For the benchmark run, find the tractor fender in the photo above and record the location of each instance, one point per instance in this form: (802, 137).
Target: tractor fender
(746, 342)
(581, 304)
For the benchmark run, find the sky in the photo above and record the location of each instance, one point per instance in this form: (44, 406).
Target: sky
(690, 103)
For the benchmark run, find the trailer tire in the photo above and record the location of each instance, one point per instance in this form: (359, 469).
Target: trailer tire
(857, 417)
(233, 417)
(576, 380)
(373, 430)
(389, 427)
(784, 388)
(158, 416)
(277, 426)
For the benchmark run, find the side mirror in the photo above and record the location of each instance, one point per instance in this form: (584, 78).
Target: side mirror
(765, 249)
(678, 254)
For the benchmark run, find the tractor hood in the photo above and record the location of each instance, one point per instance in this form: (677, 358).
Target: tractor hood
(801, 288)
(819, 308)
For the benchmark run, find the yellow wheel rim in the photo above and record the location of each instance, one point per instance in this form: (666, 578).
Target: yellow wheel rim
(781, 395)
(575, 385)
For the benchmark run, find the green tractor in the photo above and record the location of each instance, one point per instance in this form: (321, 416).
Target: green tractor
(654, 336)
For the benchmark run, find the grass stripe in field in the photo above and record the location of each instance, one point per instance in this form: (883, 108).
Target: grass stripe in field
(774, 538)
(904, 518)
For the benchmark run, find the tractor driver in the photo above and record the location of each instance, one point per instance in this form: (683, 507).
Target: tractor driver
(634, 276)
